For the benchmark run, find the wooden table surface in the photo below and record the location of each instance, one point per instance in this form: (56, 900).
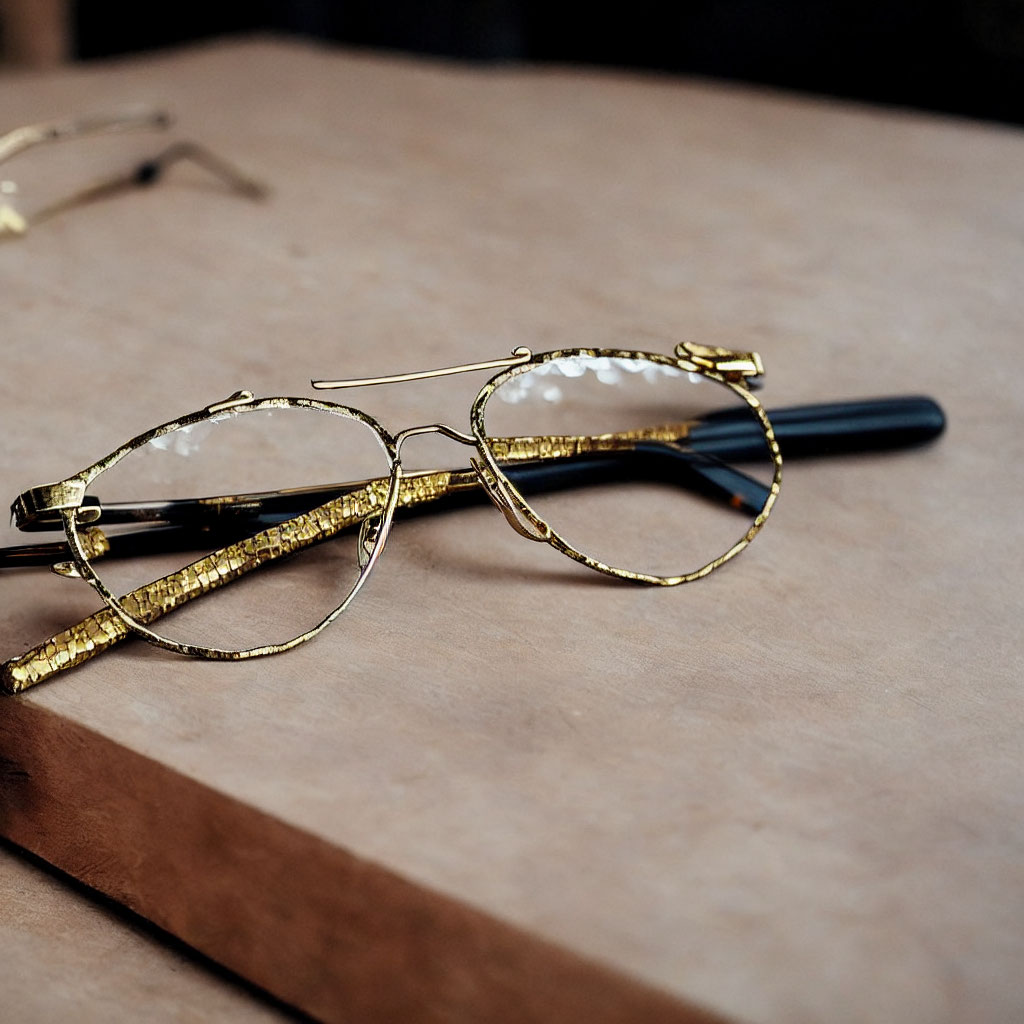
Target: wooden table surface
(71, 956)
(497, 789)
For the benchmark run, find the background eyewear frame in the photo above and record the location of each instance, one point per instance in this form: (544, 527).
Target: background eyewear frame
(15, 223)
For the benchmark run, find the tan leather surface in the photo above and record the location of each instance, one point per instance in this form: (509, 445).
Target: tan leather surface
(788, 792)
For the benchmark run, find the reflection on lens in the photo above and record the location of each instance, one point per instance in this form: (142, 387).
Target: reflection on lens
(249, 483)
(633, 462)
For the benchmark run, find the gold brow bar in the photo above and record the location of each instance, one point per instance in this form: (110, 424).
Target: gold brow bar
(84, 640)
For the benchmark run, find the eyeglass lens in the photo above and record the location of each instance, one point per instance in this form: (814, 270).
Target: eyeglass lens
(670, 472)
(213, 473)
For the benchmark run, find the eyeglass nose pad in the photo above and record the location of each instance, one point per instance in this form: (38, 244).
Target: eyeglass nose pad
(12, 223)
(369, 532)
(525, 525)
(94, 543)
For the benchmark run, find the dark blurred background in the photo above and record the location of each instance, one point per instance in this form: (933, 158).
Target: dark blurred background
(957, 56)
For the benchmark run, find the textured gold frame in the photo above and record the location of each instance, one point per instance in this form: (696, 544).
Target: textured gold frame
(222, 566)
(371, 505)
(735, 380)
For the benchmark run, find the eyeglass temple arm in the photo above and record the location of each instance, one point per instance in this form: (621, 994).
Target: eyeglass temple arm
(19, 139)
(149, 172)
(829, 428)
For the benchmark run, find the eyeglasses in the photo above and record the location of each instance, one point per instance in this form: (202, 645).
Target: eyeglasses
(15, 222)
(650, 468)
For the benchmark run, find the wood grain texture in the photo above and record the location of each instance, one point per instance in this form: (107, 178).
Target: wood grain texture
(789, 792)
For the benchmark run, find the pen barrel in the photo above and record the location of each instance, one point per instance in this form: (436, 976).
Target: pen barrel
(826, 429)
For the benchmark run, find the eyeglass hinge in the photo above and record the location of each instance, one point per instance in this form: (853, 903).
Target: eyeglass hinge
(738, 367)
(39, 508)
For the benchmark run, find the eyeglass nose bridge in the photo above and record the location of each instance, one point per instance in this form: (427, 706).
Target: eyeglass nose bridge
(497, 490)
(433, 428)
(369, 537)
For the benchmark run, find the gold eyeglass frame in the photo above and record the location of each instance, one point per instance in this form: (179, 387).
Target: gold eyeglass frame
(15, 224)
(370, 504)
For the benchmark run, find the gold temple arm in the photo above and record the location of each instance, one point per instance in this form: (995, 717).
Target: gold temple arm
(86, 639)
(562, 446)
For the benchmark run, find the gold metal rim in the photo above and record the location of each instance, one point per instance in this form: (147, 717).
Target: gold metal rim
(551, 536)
(80, 541)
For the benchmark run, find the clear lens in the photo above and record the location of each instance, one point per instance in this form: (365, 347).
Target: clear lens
(633, 462)
(245, 481)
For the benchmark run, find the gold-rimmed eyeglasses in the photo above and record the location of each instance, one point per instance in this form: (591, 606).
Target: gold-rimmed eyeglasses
(15, 220)
(643, 466)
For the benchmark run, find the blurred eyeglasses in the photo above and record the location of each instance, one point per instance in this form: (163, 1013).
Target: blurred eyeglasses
(15, 221)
